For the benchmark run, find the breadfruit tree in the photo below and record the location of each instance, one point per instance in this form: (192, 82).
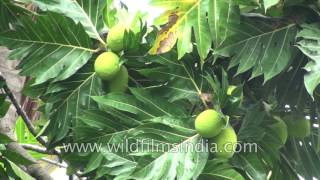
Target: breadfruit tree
(181, 98)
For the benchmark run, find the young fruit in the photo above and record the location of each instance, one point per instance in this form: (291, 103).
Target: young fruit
(107, 65)
(115, 37)
(230, 90)
(209, 123)
(120, 82)
(280, 129)
(298, 128)
(225, 143)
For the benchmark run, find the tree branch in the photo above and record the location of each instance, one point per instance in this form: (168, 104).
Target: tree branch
(35, 170)
(24, 116)
(53, 162)
(38, 149)
(8, 123)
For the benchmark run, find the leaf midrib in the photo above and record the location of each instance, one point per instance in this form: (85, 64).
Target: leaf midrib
(51, 43)
(77, 89)
(260, 35)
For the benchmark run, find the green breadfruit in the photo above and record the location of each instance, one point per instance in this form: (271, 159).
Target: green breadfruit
(107, 65)
(298, 127)
(225, 143)
(115, 37)
(209, 123)
(120, 82)
(281, 130)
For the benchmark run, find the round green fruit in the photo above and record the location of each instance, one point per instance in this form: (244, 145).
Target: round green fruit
(280, 129)
(120, 81)
(298, 128)
(209, 123)
(225, 143)
(107, 65)
(115, 37)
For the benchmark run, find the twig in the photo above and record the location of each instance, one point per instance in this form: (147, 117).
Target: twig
(38, 149)
(24, 116)
(53, 162)
(78, 174)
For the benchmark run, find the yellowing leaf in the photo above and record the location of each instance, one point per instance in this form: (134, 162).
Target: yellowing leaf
(167, 36)
(188, 15)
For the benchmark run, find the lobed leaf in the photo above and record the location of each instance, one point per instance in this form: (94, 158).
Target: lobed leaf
(88, 13)
(50, 47)
(67, 99)
(265, 48)
(177, 163)
(309, 44)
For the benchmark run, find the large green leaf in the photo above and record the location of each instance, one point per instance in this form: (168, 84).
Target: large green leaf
(149, 120)
(178, 163)
(67, 99)
(266, 48)
(19, 172)
(125, 103)
(88, 13)
(48, 46)
(162, 107)
(222, 16)
(303, 158)
(179, 79)
(94, 162)
(117, 166)
(252, 165)
(309, 44)
(220, 170)
(9, 13)
(25, 137)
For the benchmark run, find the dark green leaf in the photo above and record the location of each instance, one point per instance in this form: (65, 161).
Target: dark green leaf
(88, 13)
(220, 170)
(49, 49)
(262, 46)
(19, 172)
(69, 98)
(309, 45)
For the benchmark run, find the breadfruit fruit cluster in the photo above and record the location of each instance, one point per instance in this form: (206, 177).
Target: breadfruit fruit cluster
(108, 66)
(210, 124)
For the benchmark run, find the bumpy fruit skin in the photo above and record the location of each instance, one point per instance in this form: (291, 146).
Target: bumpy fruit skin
(281, 130)
(120, 82)
(115, 37)
(107, 65)
(225, 143)
(298, 128)
(209, 123)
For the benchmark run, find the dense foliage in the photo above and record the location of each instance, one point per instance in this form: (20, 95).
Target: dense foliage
(256, 63)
